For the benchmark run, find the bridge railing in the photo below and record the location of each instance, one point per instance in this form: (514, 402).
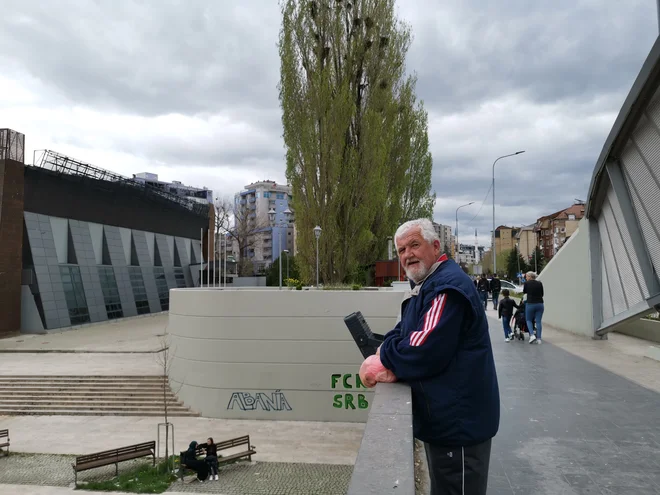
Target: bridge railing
(385, 462)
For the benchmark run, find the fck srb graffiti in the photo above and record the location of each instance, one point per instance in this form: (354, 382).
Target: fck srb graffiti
(245, 401)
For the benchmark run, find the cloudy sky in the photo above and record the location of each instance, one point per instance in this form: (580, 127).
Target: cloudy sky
(188, 90)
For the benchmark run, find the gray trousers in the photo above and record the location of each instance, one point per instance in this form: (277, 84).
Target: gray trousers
(458, 470)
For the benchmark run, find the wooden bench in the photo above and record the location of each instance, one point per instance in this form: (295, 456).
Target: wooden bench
(115, 456)
(225, 445)
(4, 434)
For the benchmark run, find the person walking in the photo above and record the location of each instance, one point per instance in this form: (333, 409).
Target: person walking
(495, 288)
(534, 307)
(505, 312)
(441, 347)
(484, 288)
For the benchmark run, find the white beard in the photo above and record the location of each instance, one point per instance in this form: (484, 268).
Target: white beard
(417, 272)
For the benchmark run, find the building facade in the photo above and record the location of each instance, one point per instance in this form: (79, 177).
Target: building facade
(447, 238)
(505, 238)
(470, 255)
(262, 244)
(554, 230)
(526, 241)
(80, 245)
(200, 195)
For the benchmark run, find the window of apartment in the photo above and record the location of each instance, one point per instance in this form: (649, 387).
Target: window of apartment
(280, 195)
(571, 217)
(267, 194)
(161, 286)
(563, 229)
(110, 293)
(139, 291)
(74, 294)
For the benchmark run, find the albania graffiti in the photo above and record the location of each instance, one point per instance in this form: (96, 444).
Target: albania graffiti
(248, 402)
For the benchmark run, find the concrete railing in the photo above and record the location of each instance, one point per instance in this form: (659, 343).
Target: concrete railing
(385, 463)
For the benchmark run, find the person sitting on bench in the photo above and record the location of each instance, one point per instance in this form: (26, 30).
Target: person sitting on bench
(191, 462)
(211, 457)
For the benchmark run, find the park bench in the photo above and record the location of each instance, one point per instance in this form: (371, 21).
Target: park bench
(115, 456)
(225, 445)
(4, 434)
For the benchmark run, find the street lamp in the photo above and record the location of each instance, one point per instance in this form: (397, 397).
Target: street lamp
(287, 262)
(494, 252)
(283, 223)
(317, 234)
(458, 245)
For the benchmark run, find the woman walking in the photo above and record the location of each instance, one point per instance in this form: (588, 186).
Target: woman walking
(534, 307)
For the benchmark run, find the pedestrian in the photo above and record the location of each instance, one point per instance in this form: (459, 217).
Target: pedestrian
(211, 457)
(441, 347)
(534, 307)
(484, 288)
(189, 460)
(495, 288)
(505, 312)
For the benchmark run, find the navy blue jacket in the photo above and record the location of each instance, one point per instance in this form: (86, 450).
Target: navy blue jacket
(442, 348)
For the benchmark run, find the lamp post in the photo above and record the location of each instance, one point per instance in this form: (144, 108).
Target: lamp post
(287, 262)
(494, 251)
(458, 245)
(281, 224)
(317, 234)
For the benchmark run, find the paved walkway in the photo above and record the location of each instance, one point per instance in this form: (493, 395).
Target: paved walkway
(571, 427)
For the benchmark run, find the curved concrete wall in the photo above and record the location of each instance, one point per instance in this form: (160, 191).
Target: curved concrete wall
(285, 355)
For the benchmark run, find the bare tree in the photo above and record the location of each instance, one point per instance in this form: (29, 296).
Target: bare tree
(243, 226)
(164, 361)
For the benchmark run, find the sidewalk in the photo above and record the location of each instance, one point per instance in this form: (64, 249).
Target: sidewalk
(569, 426)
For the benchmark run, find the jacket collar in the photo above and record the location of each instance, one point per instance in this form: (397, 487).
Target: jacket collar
(415, 288)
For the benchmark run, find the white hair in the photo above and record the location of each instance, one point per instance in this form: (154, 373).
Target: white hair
(425, 227)
(531, 275)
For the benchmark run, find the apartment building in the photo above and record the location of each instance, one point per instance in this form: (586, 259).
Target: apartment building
(554, 230)
(505, 238)
(527, 241)
(252, 221)
(468, 254)
(447, 238)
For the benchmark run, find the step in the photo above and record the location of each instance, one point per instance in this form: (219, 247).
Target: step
(145, 383)
(86, 400)
(73, 388)
(57, 412)
(101, 407)
(85, 377)
(48, 393)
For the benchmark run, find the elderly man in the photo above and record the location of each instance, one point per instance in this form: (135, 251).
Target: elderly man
(442, 348)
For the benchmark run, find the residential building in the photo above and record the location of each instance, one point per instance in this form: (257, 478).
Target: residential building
(447, 238)
(79, 244)
(200, 195)
(505, 238)
(468, 254)
(252, 207)
(554, 230)
(526, 241)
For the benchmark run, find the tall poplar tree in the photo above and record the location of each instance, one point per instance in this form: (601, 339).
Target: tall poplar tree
(356, 137)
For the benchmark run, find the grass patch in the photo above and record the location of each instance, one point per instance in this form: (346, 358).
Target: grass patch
(141, 479)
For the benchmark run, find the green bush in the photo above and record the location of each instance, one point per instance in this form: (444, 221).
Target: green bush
(356, 286)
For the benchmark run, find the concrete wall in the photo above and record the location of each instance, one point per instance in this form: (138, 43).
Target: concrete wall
(567, 286)
(249, 282)
(642, 329)
(284, 355)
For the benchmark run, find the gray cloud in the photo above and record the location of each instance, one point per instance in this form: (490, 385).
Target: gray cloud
(187, 85)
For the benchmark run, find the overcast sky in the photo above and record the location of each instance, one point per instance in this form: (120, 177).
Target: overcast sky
(187, 90)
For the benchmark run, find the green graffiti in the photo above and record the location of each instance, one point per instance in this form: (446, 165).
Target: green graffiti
(336, 401)
(335, 378)
(362, 402)
(348, 401)
(346, 384)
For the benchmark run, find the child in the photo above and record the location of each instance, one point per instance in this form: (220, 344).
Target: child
(505, 311)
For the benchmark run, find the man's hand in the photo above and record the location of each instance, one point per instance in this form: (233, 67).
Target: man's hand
(372, 371)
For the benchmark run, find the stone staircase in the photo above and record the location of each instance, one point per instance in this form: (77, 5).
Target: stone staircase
(87, 396)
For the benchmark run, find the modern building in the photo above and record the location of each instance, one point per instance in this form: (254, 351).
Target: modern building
(526, 240)
(468, 254)
(200, 195)
(447, 238)
(79, 244)
(554, 230)
(252, 222)
(505, 238)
